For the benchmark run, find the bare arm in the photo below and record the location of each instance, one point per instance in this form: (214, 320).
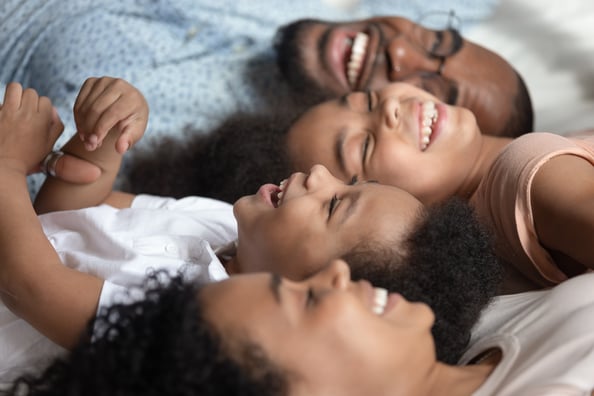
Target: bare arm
(111, 115)
(563, 205)
(33, 282)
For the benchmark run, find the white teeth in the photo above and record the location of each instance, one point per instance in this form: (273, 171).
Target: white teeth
(357, 56)
(279, 195)
(429, 118)
(380, 300)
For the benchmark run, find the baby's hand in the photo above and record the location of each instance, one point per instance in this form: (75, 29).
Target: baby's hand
(110, 104)
(29, 127)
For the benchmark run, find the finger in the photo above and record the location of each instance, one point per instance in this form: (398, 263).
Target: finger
(30, 100)
(97, 102)
(99, 85)
(84, 92)
(55, 124)
(13, 95)
(111, 109)
(124, 142)
(82, 104)
(75, 170)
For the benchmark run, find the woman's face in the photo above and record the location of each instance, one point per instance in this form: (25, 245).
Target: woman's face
(332, 335)
(399, 135)
(298, 227)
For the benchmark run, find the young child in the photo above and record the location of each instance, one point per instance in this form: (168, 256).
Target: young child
(89, 244)
(535, 191)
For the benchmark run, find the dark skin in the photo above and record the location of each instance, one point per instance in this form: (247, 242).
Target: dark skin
(397, 50)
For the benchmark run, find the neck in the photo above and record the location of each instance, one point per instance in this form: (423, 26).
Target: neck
(460, 380)
(490, 149)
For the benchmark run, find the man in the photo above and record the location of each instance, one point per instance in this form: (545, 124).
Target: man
(322, 59)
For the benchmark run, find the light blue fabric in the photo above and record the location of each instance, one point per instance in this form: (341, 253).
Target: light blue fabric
(196, 61)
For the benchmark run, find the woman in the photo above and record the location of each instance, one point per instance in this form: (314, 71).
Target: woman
(58, 268)
(260, 334)
(534, 191)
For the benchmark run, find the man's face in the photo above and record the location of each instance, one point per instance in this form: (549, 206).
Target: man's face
(336, 58)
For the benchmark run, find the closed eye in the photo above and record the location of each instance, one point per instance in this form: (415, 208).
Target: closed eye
(365, 149)
(333, 202)
(311, 298)
(369, 101)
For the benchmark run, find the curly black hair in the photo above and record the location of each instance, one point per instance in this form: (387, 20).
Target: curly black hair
(233, 160)
(162, 344)
(447, 262)
(159, 345)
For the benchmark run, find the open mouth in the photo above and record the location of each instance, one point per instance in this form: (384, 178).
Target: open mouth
(356, 58)
(269, 194)
(380, 300)
(429, 117)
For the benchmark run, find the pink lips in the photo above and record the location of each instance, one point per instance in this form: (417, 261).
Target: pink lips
(393, 300)
(435, 127)
(268, 193)
(338, 51)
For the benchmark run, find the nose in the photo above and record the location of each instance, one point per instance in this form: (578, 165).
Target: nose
(336, 275)
(319, 176)
(407, 58)
(389, 112)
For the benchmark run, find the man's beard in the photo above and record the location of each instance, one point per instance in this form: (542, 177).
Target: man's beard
(289, 57)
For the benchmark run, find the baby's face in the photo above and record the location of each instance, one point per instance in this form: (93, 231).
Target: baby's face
(296, 228)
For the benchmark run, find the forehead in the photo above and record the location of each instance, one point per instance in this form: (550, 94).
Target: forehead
(314, 137)
(384, 214)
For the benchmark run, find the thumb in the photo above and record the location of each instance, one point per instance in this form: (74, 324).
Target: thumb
(75, 170)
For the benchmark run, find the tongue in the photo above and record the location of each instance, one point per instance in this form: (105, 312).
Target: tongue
(269, 192)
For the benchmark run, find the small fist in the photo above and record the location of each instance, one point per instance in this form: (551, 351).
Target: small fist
(29, 127)
(107, 105)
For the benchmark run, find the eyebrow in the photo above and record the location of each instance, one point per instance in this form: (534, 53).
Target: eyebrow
(351, 208)
(339, 144)
(275, 282)
(339, 150)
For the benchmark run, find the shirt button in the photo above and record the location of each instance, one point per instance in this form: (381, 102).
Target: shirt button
(171, 248)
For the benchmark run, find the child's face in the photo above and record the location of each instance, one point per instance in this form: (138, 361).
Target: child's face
(338, 322)
(400, 135)
(317, 218)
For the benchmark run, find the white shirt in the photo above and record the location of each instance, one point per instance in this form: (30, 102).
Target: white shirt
(546, 338)
(121, 246)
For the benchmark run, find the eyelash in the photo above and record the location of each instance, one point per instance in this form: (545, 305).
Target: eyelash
(311, 297)
(365, 148)
(332, 205)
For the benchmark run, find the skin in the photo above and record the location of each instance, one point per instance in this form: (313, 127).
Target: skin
(385, 127)
(485, 82)
(58, 301)
(453, 164)
(301, 235)
(326, 323)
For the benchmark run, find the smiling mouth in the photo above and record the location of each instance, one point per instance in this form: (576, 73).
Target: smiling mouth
(354, 65)
(380, 300)
(429, 118)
